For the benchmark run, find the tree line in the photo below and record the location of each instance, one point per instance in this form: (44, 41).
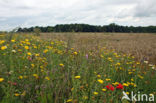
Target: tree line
(91, 28)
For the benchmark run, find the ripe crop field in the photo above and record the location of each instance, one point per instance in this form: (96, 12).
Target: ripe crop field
(76, 67)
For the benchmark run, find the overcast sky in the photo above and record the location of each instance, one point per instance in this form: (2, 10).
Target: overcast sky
(27, 13)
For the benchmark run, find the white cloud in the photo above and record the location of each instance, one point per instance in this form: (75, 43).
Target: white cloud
(28, 13)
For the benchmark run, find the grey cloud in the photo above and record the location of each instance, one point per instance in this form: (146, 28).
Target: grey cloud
(26, 13)
(145, 8)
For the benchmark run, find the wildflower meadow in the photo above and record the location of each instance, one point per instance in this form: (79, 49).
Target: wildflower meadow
(34, 70)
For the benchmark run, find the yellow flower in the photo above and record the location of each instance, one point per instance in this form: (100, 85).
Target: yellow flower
(100, 81)
(127, 93)
(130, 72)
(28, 53)
(95, 93)
(45, 51)
(3, 47)
(116, 83)
(41, 67)
(118, 64)
(77, 77)
(2, 41)
(132, 79)
(151, 94)
(98, 76)
(62, 65)
(1, 79)
(132, 83)
(128, 83)
(26, 40)
(138, 63)
(135, 85)
(26, 47)
(125, 84)
(17, 94)
(12, 40)
(107, 79)
(36, 76)
(35, 46)
(133, 70)
(37, 55)
(69, 100)
(103, 90)
(72, 89)
(141, 77)
(20, 77)
(32, 65)
(75, 53)
(47, 78)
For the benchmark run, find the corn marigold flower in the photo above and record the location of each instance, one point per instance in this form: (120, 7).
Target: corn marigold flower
(1, 79)
(37, 55)
(118, 64)
(95, 93)
(29, 53)
(3, 47)
(137, 63)
(13, 41)
(141, 77)
(62, 65)
(134, 85)
(45, 51)
(100, 81)
(72, 89)
(127, 93)
(47, 78)
(103, 90)
(75, 53)
(2, 41)
(32, 65)
(116, 83)
(36, 76)
(69, 100)
(17, 94)
(26, 47)
(107, 79)
(77, 77)
(20, 77)
(125, 84)
(35, 47)
(132, 79)
(98, 76)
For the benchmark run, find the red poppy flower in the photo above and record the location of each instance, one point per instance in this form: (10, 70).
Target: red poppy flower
(14, 83)
(110, 87)
(120, 86)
